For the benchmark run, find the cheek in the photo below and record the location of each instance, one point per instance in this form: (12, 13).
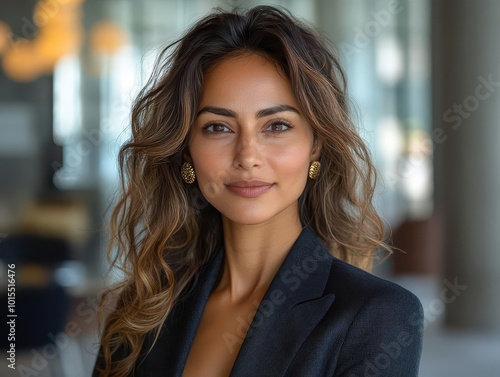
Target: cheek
(205, 157)
(211, 168)
(291, 161)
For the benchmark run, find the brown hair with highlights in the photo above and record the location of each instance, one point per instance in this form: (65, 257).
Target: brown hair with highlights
(163, 230)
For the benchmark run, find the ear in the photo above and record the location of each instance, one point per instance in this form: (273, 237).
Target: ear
(316, 150)
(186, 156)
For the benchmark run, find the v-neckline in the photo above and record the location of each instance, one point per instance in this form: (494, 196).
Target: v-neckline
(211, 269)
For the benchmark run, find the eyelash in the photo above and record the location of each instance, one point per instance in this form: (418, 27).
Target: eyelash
(277, 122)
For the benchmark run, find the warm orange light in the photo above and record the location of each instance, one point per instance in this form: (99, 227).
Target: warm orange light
(60, 30)
(71, 2)
(21, 63)
(4, 37)
(54, 41)
(59, 33)
(106, 37)
(67, 15)
(47, 10)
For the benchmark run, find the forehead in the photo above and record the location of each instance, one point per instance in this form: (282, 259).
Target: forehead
(247, 77)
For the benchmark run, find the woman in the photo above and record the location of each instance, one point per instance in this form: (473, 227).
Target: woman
(246, 222)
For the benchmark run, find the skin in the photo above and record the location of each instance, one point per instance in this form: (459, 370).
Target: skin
(238, 144)
(258, 232)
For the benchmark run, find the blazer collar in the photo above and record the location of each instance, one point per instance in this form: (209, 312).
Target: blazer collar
(290, 309)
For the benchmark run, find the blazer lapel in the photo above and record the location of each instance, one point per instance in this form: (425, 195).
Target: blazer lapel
(171, 350)
(290, 309)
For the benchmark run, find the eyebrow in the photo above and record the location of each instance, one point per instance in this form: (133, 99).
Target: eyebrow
(260, 114)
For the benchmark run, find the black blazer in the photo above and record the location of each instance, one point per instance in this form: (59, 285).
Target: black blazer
(319, 317)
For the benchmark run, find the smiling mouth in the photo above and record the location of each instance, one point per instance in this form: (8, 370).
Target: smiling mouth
(250, 192)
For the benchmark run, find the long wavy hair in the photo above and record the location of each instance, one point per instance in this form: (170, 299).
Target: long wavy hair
(163, 230)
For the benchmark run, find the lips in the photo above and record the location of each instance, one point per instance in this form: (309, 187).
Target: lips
(249, 189)
(249, 183)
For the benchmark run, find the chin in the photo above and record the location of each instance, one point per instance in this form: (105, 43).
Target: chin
(257, 214)
(245, 219)
(247, 216)
(242, 211)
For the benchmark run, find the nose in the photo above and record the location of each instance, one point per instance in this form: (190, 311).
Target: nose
(247, 151)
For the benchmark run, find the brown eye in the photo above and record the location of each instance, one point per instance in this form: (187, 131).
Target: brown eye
(215, 128)
(279, 127)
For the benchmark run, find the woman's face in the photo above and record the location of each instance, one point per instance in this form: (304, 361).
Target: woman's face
(249, 127)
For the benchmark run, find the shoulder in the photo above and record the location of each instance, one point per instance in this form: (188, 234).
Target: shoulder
(371, 327)
(377, 324)
(357, 293)
(360, 288)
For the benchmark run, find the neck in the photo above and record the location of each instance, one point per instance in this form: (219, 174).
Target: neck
(254, 253)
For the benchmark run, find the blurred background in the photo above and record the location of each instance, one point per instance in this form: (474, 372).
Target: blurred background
(424, 76)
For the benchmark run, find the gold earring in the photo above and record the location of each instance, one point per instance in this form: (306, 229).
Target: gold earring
(314, 169)
(187, 173)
